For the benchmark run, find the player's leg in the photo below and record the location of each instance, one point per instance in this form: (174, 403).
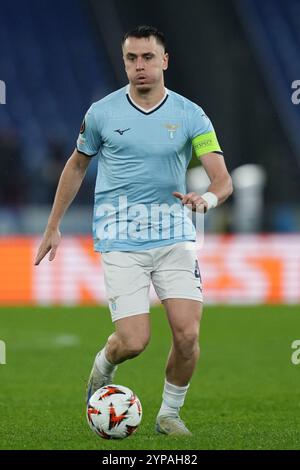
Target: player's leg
(127, 283)
(178, 283)
(128, 341)
(184, 318)
(130, 338)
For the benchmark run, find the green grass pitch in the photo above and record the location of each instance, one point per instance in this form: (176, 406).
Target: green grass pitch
(245, 393)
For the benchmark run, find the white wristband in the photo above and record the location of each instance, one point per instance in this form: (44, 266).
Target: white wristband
(211, 199)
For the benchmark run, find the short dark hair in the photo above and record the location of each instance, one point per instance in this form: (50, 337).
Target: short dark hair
(145, 31)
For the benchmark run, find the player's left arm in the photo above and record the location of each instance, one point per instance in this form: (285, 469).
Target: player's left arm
(220, 187)
(207, 148)
(220, 179)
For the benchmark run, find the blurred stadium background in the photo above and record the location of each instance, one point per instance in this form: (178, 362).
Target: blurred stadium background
(239, 60)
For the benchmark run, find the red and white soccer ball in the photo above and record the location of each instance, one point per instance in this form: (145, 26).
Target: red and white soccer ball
(114, 412)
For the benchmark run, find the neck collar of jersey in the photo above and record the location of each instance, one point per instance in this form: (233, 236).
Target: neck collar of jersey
(143, 110)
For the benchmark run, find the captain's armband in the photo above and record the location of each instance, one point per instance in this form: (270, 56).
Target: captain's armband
(206, 143)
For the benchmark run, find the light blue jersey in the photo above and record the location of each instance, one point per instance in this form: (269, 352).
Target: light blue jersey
(142, 159)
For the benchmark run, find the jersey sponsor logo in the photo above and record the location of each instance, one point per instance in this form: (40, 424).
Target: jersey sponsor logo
(82, 128)
(172, 128)
(121, 132)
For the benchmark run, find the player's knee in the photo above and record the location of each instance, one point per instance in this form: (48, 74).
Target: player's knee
(135, 346)
(187, 344)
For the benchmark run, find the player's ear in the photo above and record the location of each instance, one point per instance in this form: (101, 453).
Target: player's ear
(165, 61)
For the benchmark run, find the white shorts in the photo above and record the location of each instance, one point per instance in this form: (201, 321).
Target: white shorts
(173, 270)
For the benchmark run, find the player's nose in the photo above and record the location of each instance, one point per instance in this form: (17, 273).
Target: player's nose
(139, 64)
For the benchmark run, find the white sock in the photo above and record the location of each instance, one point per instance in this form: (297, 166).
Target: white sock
(105, 367)
(173, 399)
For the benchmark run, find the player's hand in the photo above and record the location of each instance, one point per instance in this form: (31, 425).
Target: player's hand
(194, 200)
(50, 242)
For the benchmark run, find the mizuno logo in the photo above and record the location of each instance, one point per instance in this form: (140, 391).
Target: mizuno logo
(121, 132)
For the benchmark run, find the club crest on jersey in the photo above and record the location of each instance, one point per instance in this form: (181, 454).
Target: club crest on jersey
(113, 303)
(172, 128)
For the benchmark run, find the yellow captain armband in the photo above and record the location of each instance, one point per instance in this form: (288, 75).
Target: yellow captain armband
(206, 143)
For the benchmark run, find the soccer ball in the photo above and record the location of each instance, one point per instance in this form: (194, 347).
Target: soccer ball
(114, 412)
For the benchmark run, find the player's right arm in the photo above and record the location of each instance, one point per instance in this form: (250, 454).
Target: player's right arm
(88, 145)
(68, 186)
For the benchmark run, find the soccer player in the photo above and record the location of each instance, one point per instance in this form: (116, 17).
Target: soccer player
(143, 135)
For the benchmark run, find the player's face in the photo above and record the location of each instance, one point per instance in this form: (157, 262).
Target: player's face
(145, 61)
